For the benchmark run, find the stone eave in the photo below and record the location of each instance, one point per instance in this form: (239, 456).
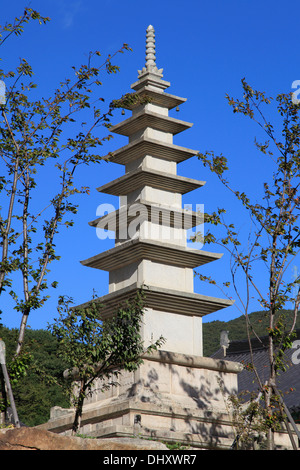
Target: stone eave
(179, 359)
(165, 215)
(195, 362)
(157, 298)
(135, 250)
(145, 118)
(150, 79)
(145, 146)
(166, 100)
(156, 179)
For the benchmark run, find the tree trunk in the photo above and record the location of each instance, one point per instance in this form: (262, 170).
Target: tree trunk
(21, 333)
(78, 412)
(3, 399)
(270, 440)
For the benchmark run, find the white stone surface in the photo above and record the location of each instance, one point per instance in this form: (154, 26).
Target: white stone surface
(152, 273)
(152, 163)
(183, 333)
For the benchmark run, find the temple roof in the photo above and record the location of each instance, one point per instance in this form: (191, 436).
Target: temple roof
(288, 381)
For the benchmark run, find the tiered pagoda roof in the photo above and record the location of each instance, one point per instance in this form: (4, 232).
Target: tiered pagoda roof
(150, 131)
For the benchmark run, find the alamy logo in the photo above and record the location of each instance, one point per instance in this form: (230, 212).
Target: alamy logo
(155, 222)
(2, 93)
(296, 354)
(296, 94)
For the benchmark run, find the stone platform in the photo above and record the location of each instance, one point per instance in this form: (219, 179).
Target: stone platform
(171, 398)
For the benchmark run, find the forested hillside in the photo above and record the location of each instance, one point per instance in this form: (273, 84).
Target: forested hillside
(35, 395)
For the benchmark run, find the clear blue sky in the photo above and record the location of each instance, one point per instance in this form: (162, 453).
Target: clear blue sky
(205, 49)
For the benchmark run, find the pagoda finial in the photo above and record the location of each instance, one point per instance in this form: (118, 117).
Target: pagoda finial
(150, 48)
(150, 65)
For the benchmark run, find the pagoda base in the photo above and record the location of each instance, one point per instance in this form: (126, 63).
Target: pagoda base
(171, 398)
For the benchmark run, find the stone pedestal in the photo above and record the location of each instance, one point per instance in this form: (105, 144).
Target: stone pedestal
(176, 398)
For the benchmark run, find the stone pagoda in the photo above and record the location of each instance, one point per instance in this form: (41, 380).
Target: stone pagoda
(176, 394)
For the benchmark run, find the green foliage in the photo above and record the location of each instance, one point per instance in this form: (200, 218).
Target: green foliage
(18, 367)
(38, 384)
(35, 396)
(94, 348)
(61, 132)
(130, 100)
(251, 419)
(273, 241)
(17, 26)
(175, 446)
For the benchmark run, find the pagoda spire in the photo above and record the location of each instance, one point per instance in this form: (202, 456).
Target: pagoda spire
(150, 65)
